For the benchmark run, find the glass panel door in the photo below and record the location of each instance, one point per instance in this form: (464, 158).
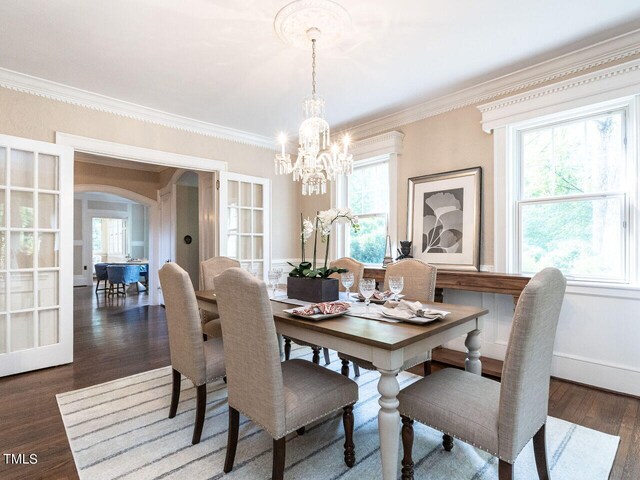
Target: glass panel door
(244, 229)
(36, 220)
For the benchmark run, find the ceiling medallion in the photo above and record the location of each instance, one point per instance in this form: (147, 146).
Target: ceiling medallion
(318, 161)
(294, 20)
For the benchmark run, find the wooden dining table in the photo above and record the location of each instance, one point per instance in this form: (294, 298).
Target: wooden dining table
(387, 346)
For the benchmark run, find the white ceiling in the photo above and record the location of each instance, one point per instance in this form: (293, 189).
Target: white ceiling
(221, 61)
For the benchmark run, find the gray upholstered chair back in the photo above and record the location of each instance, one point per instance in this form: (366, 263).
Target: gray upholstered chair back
(524, 392)
(213, 267)
(353, 266)
(183, 320)
(251, 354)
(419, 279)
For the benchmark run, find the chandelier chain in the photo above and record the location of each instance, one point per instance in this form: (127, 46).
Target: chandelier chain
(313, 67)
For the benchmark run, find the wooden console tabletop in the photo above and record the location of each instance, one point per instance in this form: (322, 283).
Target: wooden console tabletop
(485, 282)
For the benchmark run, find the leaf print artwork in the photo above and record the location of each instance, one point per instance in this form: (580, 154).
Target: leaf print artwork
(442, 221)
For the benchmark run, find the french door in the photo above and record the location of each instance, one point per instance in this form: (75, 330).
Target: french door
(36, 255)
(245, 220)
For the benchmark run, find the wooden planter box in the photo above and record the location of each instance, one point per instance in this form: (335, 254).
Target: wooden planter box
(314, 290)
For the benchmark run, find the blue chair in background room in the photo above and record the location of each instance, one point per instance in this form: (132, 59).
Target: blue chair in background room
(144, 273)
(101, 276)
(122, 276)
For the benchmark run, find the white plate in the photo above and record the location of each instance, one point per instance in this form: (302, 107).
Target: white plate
(360, 298)
(317, 316)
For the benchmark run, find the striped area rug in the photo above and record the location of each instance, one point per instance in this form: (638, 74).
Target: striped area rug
(120, 430)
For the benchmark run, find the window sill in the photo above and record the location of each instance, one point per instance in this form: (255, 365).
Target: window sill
(611, 290)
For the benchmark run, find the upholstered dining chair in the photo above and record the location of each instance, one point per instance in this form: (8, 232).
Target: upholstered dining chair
(419, 285)
(280, 397)
(499, 418)
(208, 270)
(101, 276)
(199, 361)
(121, 276)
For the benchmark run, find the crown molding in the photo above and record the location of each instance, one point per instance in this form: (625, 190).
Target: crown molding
(591, 88)
(24, 83)
(597, 55)
(382, 144)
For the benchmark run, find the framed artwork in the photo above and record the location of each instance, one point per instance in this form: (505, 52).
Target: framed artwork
(444, 218)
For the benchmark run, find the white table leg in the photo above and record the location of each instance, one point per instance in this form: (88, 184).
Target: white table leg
(472, 363)
(389, 423)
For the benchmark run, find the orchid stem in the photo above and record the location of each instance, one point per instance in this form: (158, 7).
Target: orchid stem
(315, 242)
(302, 234)
(326, 254)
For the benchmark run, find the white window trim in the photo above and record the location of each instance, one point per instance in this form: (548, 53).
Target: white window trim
(617, 86)
(380, 148)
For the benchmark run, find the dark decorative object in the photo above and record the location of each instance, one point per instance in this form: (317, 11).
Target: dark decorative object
(314, 290)
(444, 212)
(187, 239)
(405, 249)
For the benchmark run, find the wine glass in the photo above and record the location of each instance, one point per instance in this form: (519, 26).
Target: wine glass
(274, 276)
(367, 289)
(347, 280)
(396, 284)
(253, 270)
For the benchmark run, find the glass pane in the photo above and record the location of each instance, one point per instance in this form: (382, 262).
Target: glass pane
(368, 189)
(258, 252)
(21, 291)
(3, 297)
(21, 209)
(2, 209)
(22, 331)
(47, 327)
(245, 194)
(257, 221)
(22, 168)
(583, 238)
(47, 172)
(232, 246)
(233, 195)
(245, 221)
(48, 250)
(583, 156)
(21, 250)
(3, 250)
(48, 289)
(3, 334)
(257, 195)
(245, 248)
(232, 220)
(367, 245)
(3, 166)
(47, 210)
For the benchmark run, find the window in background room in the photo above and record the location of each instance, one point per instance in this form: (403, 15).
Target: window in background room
(573, 202)
(109, 237)
(368, 198)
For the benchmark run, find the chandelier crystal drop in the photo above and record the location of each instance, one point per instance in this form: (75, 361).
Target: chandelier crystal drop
(318, 160)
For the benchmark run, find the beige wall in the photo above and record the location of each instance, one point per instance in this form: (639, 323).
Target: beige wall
(143, 182)
(38, 118)
(450, 141)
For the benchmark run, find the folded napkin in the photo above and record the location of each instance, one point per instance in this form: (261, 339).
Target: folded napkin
(406, 310)
(324, 308)
(378, 295)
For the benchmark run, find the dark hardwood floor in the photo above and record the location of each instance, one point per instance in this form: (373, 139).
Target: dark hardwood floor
(123, 337)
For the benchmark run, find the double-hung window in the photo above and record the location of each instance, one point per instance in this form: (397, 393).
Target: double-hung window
(573, 196)
(367, 194)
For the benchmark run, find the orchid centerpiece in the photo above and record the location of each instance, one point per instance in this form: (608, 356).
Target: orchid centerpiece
(323, 223)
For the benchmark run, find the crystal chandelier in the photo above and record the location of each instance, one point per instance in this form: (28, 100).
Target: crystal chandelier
(316, 163)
